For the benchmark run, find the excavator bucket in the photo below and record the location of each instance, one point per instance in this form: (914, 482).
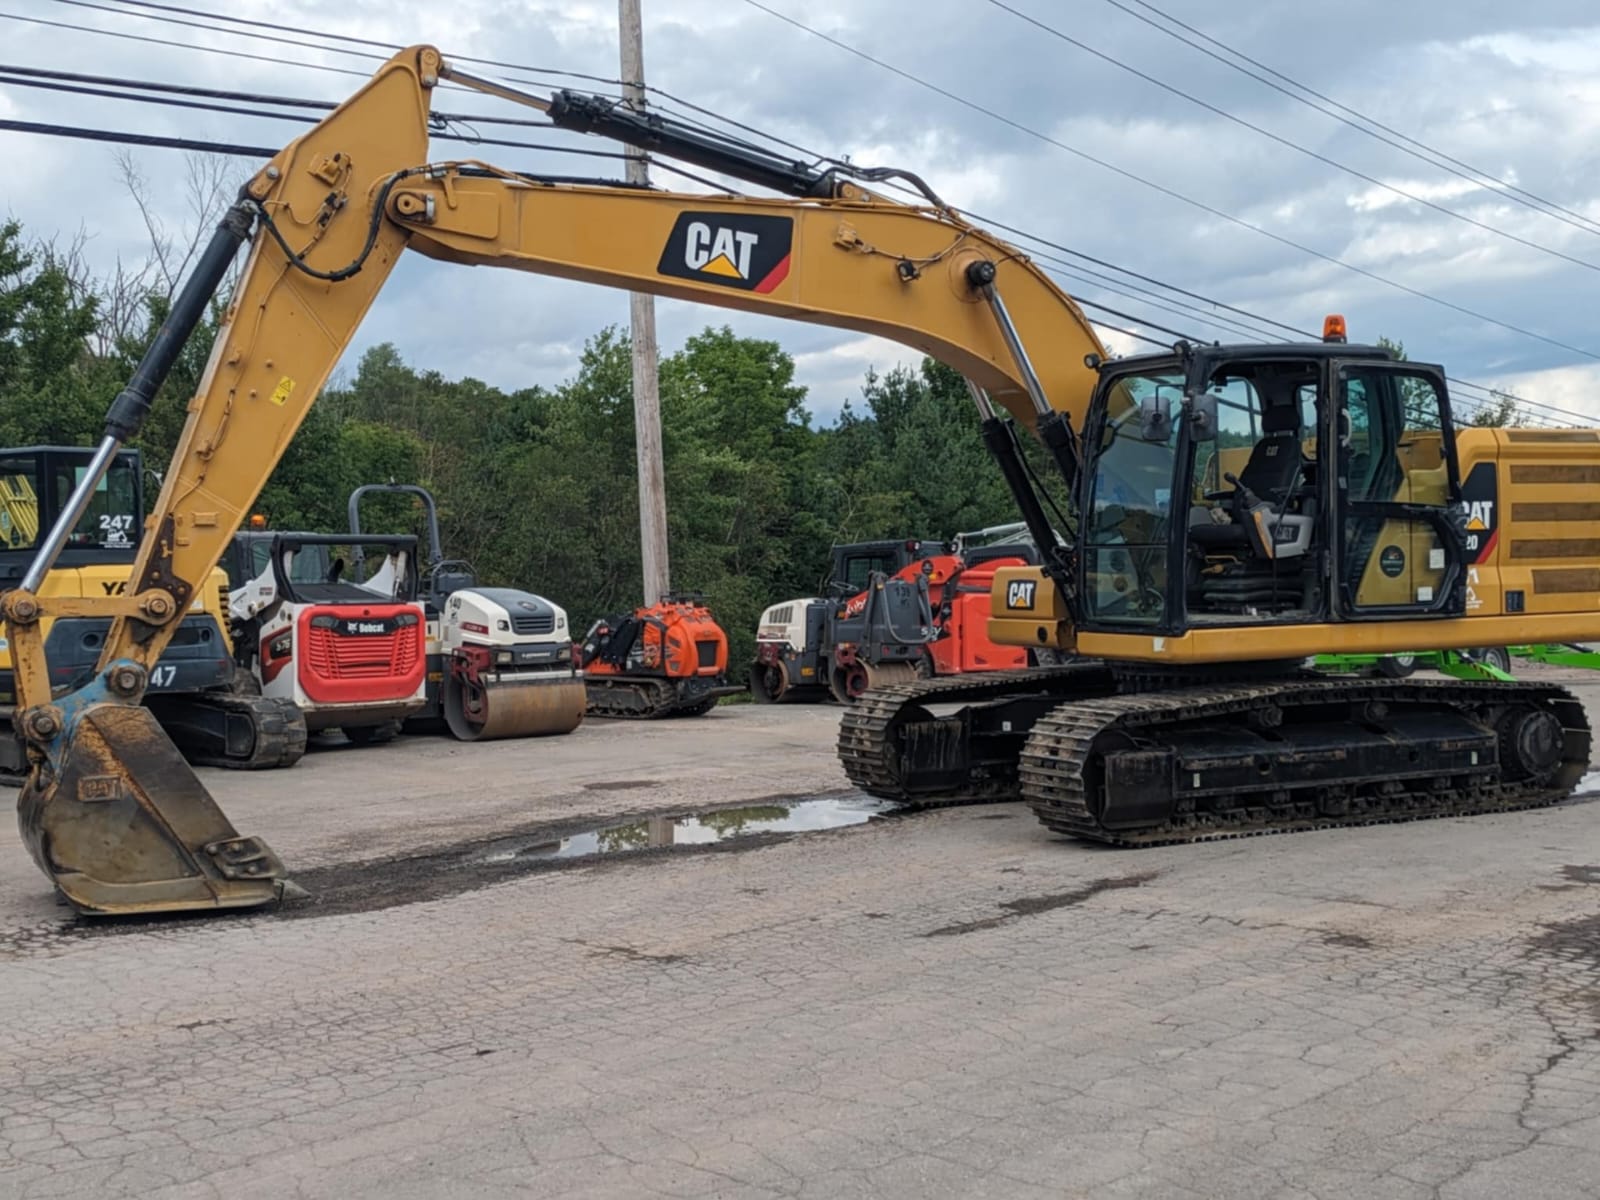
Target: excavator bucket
(513, 709)
(125, 827)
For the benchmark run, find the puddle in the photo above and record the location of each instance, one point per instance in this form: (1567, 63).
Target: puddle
(444, 871)
(699, 829)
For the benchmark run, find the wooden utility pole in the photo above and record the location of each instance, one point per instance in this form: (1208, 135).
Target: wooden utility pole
(646, 393)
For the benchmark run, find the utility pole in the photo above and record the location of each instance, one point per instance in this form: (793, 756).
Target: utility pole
(642, 311)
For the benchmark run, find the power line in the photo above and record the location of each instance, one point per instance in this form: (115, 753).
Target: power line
(1218, 110)
(1403, 142)
(178, 89)
(910, 77)
(315, 33)
(232, 149)
(545, 147)
(366, 41)
(7, 80)
(391, 47)
(155, 41)
(439, 116)
(137, 139)
(120, 137)
(211, 28)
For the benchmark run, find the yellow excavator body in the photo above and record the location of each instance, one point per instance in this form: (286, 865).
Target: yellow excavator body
(1532, 576)
(115, 818)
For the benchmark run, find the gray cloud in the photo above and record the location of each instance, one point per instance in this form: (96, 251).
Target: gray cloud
(1511, 88)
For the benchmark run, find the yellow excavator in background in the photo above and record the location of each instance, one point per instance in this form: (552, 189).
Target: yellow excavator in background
(1230, 510)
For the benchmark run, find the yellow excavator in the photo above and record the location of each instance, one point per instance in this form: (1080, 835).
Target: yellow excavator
(1208, 517)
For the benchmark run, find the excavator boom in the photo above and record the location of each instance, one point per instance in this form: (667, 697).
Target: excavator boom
(110, 812)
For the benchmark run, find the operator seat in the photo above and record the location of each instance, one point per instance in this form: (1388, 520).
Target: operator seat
(1270, 474)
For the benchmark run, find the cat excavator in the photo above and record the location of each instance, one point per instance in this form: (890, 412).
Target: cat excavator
(1224, 512)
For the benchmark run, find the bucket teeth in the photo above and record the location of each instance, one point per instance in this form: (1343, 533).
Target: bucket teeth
(126, 827)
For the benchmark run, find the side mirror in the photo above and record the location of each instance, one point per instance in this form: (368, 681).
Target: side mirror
(1155, 419)
(1202, 417)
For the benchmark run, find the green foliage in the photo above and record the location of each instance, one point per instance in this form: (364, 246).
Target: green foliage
(52, 389)
(1500, 410)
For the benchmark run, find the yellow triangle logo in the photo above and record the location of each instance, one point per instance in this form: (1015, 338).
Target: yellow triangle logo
(1476, 524)
(722, 265)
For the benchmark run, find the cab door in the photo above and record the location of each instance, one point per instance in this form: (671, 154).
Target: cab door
(1397, 488)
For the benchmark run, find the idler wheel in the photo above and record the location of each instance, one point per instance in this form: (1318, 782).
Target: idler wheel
(1530, 742)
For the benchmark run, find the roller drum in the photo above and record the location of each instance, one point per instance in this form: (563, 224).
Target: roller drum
(512, 709)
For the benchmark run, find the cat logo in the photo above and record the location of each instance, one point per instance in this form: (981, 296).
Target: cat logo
(719, 251)
(1479, 495)
(750, 253)
(1019, 593)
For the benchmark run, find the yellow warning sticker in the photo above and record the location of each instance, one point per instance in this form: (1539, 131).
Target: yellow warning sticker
(280, 394)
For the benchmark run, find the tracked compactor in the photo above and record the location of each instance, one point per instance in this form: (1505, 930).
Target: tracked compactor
(1225, 512)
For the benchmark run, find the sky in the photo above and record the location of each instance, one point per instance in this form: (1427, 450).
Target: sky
(1220, 209)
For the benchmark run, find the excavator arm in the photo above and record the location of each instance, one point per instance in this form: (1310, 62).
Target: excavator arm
(110, 811)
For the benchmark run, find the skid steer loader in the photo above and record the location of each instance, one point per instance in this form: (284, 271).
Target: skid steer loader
(346, 650)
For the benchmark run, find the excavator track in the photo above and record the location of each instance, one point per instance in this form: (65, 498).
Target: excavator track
(239, 732)
(1201, 763)
(894, 747)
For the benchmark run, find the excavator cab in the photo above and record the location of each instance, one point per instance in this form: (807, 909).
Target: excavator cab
(1207, 497)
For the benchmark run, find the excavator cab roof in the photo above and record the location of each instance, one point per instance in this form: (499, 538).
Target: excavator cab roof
(1205, 358)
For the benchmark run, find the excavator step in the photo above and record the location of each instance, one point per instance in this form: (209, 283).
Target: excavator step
(1194, 764)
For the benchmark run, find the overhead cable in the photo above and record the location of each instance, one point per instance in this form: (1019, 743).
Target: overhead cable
(1387, 134)
(1290, 143)
(973, 105)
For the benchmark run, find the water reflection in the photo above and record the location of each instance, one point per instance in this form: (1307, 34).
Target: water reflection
(702, 828)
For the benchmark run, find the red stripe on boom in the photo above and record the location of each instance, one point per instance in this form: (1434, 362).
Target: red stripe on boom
(775, 276)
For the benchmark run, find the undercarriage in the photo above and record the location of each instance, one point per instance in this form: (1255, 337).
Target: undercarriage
(1115, 759)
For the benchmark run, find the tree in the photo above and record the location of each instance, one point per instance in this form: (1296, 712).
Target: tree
(1501, 409)
(52, 389)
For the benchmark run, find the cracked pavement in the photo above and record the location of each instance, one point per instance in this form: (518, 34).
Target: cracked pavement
(953, 1004)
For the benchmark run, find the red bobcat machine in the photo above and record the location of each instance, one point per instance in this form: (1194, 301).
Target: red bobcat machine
(352, 655)
(668, 659)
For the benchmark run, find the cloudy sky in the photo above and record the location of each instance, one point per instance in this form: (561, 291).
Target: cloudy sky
(1508, 89)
